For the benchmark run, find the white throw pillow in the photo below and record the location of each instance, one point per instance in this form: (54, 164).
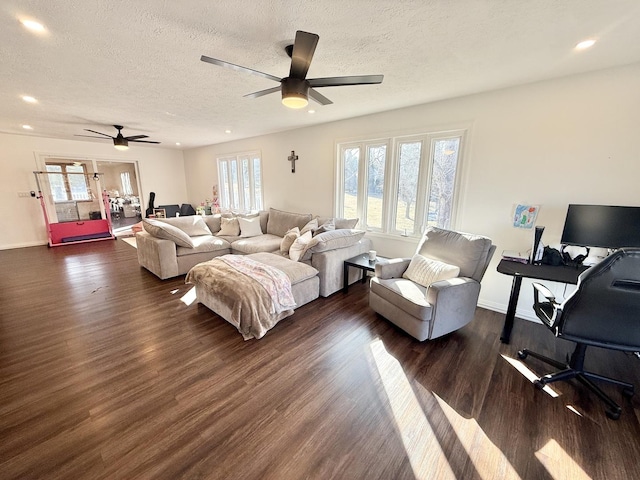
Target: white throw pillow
(229, 227)
(249, 227)
(288, 240)
(299, 246)
(426, 271)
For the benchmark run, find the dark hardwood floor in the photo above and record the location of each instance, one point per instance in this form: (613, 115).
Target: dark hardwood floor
(105, 373)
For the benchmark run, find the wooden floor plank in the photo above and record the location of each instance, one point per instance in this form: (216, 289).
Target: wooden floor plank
(106, 373)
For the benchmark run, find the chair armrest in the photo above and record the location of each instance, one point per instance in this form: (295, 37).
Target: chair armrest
(547, 311)
(392, 268)
(454, 303)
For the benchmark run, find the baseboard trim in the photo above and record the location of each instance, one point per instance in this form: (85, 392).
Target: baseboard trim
(22, 245)
(502, 308)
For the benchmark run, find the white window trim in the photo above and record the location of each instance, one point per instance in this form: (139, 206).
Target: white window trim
(228, 203)
(393, 142)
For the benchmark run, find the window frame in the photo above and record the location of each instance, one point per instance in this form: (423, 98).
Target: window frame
(232, 194)
(392, 174)
(65, 179)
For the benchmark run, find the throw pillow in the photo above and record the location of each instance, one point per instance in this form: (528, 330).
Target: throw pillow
(168, 232)
(325, 227)
(229, 227)
(310, 226)
(299, 246)
(426, 271)
(288, 240)
(250, 227)
(193, 225)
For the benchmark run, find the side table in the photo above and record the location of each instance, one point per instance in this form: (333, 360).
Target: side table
(363, 263)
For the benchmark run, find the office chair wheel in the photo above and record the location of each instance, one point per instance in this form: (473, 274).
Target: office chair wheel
(539, 384)
(613, 414)
(522, 354)
(628, 392)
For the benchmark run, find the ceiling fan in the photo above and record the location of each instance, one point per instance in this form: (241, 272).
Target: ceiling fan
(296, 88)
(119, 141)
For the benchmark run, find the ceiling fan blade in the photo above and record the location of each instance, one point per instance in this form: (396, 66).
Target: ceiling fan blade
(340, 81)
(141, 141)
(99, 133)
(321, 99)
(238, 68)
(136, 137)
(89, 136)
(262, 93)
(303, 50)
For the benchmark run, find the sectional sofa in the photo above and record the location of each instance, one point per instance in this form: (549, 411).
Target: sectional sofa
(172, 246)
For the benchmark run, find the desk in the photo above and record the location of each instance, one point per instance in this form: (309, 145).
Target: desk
(363, 263)
(518, 271)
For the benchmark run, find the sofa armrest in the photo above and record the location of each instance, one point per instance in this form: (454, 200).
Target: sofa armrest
(157, 255)
(454, 304)
(393, 268)
(330, 266)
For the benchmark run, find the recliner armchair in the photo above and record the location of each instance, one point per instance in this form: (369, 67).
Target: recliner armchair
(603, 311)
(436, 291)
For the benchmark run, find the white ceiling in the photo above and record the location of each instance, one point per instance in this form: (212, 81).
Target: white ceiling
(137, 62)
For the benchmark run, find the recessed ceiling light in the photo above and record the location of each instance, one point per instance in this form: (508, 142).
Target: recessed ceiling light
(27, 127)
(178, 144)
(585, 44)
(33, 25)
(227, 131)
(312, 111)
(29, 99)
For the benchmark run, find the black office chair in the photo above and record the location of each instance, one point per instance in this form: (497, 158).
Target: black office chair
(604, 311)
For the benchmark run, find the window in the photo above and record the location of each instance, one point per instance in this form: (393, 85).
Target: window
(68, 182)
(240, 179)
(401, 185)
(125, 179)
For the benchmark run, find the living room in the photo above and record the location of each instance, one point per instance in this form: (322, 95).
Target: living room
(568, 138)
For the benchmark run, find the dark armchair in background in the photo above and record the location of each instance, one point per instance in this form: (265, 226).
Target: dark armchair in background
(603, 311)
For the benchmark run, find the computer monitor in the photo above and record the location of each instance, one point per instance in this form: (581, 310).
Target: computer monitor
(603, 226)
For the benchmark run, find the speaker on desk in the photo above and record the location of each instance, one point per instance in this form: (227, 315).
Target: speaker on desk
(537, 251)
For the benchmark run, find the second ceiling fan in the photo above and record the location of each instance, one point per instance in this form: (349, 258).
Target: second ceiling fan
(296, 88)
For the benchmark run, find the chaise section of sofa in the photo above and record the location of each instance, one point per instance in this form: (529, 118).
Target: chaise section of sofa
(172, 246)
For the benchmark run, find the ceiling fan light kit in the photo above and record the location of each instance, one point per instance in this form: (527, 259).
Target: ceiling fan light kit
(296, 88)
(295, 93)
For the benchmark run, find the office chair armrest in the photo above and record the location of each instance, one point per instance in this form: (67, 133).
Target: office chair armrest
(548, 310)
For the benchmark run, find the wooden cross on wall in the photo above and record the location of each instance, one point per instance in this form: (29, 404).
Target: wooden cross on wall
(292, 158)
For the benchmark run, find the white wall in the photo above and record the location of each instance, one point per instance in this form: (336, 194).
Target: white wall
(552, 143)
(22, 222)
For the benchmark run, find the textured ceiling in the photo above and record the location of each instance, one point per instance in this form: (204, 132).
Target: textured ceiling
(137, 63)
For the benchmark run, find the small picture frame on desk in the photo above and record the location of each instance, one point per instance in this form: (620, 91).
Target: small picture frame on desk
(159, 213)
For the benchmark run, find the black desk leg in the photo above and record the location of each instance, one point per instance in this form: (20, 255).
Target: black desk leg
(345, 281)
(511, 309)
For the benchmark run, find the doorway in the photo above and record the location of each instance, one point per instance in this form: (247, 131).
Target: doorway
(120, 180)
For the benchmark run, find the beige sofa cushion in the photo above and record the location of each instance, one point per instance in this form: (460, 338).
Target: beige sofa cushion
(213, 222)
(288, 240)
(280, 222)
(166, 231)
(192, 225)
(333, 239)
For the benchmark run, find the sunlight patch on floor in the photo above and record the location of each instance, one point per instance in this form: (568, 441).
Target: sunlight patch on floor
(558, 463)
(529, 374)
(486, 457)
(189, 297)
(423, 449)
